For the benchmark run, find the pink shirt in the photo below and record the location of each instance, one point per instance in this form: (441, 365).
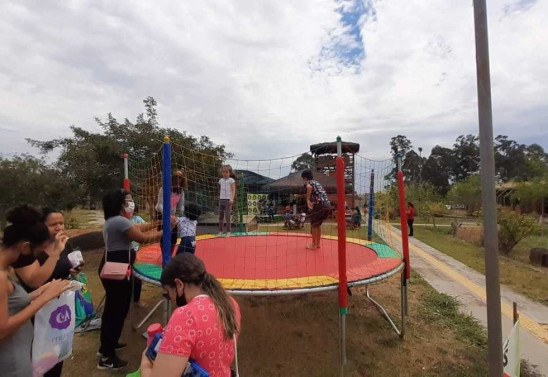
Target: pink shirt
(195, 331)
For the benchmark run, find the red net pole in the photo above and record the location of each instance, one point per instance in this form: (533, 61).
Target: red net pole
(126, 184)
(341, 233)
(403, 225)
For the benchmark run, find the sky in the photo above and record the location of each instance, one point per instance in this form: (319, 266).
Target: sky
(268, 78)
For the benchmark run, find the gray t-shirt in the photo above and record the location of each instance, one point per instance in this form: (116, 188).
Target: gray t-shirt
(114, 233)
(15, 350)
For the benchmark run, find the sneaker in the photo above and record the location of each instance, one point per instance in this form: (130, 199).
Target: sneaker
(111, 363)
(228, 234)
(117, 347)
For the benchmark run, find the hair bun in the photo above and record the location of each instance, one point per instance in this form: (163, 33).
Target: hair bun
(23, 215)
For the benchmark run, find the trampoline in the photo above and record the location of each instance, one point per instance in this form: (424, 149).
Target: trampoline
(262, 263)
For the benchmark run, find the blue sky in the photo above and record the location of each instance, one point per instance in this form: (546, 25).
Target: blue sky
(269, 78)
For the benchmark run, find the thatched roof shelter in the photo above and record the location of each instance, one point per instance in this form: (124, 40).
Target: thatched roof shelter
(331, 148)
(294, 184)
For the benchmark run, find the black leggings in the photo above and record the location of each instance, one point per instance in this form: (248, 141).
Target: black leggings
(117, 302)
(410, 226)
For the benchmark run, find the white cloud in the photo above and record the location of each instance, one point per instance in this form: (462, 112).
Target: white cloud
(244, 73)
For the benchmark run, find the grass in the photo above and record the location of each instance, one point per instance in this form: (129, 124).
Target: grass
(514, 273)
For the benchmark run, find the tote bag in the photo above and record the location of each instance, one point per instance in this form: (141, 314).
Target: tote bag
(53, 333)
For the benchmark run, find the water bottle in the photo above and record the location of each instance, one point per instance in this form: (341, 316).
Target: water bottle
(152, 330)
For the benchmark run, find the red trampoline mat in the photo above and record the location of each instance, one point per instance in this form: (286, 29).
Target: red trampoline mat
(280, 257)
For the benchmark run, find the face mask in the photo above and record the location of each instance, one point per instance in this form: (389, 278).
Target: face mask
(130, 207)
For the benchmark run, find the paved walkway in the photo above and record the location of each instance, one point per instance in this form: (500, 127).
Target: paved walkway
(453, 278)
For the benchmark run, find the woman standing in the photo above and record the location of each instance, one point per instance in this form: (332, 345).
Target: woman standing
(410, 212)
(319, 206)
(118, 232)
(55, 222)
(203, 328)
(26, 235)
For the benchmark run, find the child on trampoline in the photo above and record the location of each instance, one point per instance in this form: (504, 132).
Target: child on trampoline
(318, 205)
(186, 228)
(226, 198)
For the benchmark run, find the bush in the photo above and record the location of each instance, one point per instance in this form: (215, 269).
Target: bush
(513, 228)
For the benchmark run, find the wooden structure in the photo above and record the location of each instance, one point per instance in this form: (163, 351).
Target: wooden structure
(324, 161)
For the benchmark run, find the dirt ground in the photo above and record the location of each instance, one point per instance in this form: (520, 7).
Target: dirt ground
(298, 336)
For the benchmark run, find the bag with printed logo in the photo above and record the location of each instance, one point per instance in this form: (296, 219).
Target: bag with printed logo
(53, 333)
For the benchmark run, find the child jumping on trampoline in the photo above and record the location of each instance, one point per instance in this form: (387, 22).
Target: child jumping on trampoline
(318, 205)
(186, 228)
(226, 198)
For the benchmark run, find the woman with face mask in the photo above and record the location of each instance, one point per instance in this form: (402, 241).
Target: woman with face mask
(26, 235)
(203, 328)
(118, 233)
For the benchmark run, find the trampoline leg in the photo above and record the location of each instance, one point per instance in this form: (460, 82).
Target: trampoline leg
(149, 314)
(403, 307)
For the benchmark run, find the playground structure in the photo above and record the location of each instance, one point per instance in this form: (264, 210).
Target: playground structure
(269, 260)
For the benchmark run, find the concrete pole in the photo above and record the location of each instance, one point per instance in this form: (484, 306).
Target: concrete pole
(488, 196)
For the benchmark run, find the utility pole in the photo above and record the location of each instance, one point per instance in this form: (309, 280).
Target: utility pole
(488, 196)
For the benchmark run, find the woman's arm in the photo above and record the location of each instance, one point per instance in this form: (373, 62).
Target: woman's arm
(159, 201)
(164, 366)
(232, 191)
(309, 196)
(145, 227)
(10, 324)
(34, 275)
(181, 204)
(135, 234)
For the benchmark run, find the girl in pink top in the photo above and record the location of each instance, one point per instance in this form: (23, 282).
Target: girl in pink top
(203, 328)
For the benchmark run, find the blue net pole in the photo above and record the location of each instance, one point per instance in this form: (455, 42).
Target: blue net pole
(371, 206)
(166, 212)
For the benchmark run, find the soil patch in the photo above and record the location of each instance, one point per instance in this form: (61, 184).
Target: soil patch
(298, 335)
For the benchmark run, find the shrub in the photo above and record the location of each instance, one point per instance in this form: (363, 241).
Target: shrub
(513, 228)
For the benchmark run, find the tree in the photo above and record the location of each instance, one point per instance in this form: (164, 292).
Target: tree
(466, 157)
(411, 167)
(437, 169)
(92, 160)
(304, 161)
(510, 159)
(467, 193)
(536, 162)
(32, 181)
(513, 228)
(533, 194)
(399, 145)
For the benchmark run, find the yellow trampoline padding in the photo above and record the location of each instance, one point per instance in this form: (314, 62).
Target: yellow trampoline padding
(265, 284)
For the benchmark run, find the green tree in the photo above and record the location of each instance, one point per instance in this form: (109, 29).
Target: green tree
(513, 228)
(399, 145)
(466, 157)
(510, 159)
(304, 161)
(93, 160)
(536, 162)
(533, 194)
(32, 181)
(437, 169)
(467, 193)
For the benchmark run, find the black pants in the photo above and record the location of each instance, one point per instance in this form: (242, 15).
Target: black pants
(410, 226)
(117, 302)
(137, 283)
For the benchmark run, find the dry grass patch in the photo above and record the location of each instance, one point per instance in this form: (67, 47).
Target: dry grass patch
(298, 335)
